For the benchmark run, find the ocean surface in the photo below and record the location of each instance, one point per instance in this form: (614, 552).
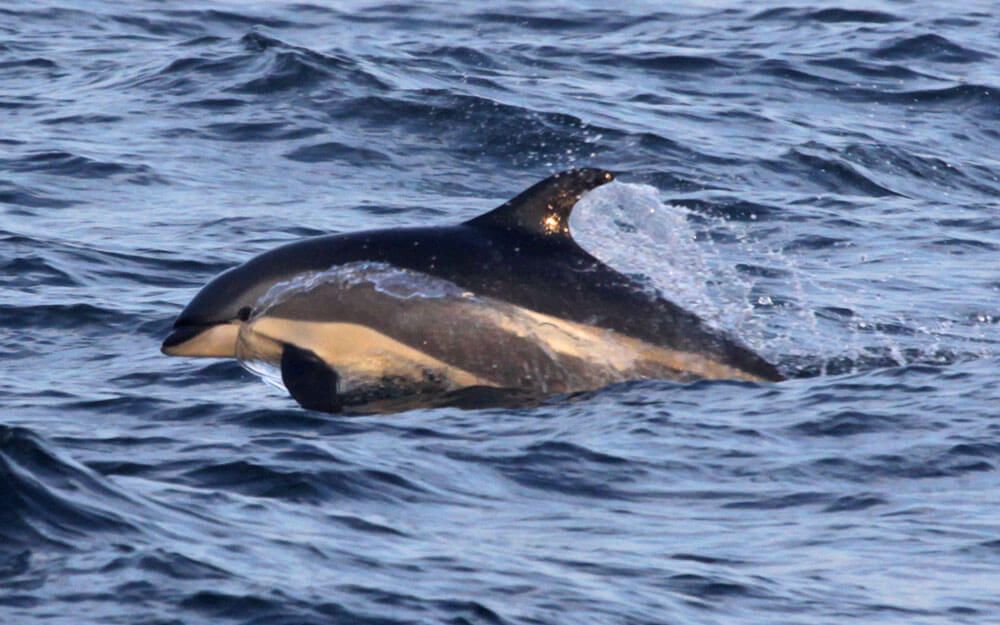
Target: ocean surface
(822, 180)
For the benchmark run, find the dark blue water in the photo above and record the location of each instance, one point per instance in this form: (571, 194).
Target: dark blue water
(827, 188)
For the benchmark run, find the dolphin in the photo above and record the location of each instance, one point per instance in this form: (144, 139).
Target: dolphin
(507, 300)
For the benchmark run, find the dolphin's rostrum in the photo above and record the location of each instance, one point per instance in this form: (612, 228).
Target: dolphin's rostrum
(529, 311)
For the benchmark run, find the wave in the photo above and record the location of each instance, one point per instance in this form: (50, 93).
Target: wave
(33, 270)
(232, 19)
(858, 67)
(255, 65)
(829, 16)
(289, 66)
(63, 316)
(830, 173)
(677, 63)
(540, 20)
(336, 151)
(259, 131)
(50, 499)
(475, 127)
(61, 163)
(308, 485)
(931, 47)
(730, 209)
(791, 71)
(984, 97)
(37, 260)
(29, 64)
(30, 198)
(87, 120)
(564, 468)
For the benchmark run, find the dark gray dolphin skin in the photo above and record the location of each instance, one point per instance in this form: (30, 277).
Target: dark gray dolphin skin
(520, 253)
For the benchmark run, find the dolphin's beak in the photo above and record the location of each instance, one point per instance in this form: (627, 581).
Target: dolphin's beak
(216, 340)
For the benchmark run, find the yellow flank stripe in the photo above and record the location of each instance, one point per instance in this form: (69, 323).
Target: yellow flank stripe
(358, 349)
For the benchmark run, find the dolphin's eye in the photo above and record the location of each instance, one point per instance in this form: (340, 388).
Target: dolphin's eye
(244, 313)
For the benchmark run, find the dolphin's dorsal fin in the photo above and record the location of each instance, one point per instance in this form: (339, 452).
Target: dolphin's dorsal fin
(544, 208)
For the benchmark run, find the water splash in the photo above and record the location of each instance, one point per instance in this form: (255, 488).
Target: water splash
(628, 227)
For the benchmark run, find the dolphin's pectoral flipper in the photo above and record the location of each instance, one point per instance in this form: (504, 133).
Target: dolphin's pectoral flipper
(545, 207)
(310, 381)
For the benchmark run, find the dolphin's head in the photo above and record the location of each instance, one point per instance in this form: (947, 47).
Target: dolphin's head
(209, 325)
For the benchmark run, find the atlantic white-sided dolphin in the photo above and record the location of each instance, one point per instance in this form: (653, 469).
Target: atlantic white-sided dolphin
(510, 301)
